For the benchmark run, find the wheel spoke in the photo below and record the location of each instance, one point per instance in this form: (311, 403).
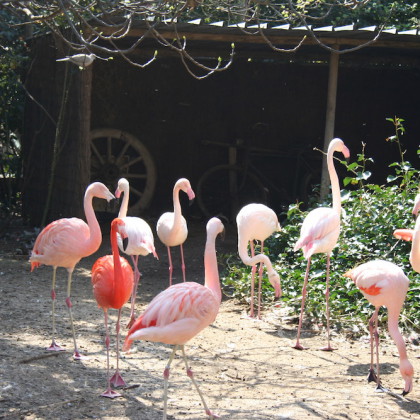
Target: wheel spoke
(109, 148)
(135, 191)
(96, 153)
(132, 162)
(122, 153)
(136, 176)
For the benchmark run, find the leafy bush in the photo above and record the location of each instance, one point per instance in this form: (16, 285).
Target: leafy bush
(370, 215)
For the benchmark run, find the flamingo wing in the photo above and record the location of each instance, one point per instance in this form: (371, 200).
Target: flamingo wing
(140, 237)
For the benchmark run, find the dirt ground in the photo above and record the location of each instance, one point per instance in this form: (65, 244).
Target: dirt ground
(245, 368)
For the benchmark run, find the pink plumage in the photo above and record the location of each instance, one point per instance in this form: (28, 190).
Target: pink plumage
(320, 231)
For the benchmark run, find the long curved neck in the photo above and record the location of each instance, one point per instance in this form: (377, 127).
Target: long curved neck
(177, 205)
(124, 204)
(415, 247)
(95, 237)
(115, 254)
(335, 186)
(211, 271)
(393, 315)
(259, 258)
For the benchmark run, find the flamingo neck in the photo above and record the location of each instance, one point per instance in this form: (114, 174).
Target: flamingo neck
(95, 237)
(211, 271)
(115, 253)
(177, 205)
(124, 204)
(335, 186)
(393, 315)
(259, 258)
(415, 247)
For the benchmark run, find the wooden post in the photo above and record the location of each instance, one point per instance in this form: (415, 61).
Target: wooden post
(329, 119)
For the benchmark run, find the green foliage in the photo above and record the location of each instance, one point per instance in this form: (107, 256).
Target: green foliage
(370, 215)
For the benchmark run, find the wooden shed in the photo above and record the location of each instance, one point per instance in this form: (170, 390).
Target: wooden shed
(269, 110)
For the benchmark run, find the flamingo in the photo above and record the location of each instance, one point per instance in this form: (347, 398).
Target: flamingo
(63, 243)
(319, 233)
(257, 222)
(181, 311)
(412, 235)
(112, 281)
(140, 239)
(172, 228)
(384, 284)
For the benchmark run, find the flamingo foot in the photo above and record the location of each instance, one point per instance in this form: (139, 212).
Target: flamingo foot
(298, 346)
(380, 388)
(109, 393)
(327, 348)
(372, 376)
(117, 380)
(78, 356)
(55, 347)
(212, 415)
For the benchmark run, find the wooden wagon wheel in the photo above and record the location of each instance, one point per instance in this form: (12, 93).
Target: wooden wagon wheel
(116, 154)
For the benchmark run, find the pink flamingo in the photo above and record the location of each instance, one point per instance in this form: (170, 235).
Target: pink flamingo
(257, 222)
(384, 284)
(112, 281)
(139, 236)
(172, 228)
(63, 243)
(319, 233)
(181, 311)
(412, 235)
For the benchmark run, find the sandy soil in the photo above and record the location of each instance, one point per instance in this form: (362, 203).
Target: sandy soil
(245, 368)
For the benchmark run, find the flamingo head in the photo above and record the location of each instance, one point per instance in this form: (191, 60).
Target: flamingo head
(338, 146)
(97, 189)
(274, 279)
(184, 185)
(407, 372)
(123, 186)
(416, 206)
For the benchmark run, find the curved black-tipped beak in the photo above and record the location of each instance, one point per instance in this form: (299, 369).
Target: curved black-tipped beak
(125, 243)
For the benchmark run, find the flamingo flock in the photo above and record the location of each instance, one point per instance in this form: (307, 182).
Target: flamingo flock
(182, 310)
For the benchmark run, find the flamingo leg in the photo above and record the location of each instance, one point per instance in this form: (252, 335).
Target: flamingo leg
(374, 336)
(298, 346)
(171, 267)
(76, 354)
(135, 259)
(109, 393)
(166, 373)
(117, 380)
(260, 273)
(327, 301)
(191, 376)
(182, 262)
(54, 346)
(253, 271)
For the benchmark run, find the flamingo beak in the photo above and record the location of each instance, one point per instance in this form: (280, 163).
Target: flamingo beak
(125, 243)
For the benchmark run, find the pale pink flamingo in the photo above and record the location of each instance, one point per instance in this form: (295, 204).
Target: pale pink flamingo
(63, 243)
(181, 311)
(412, 235)
(384, 284)
(257, 222)
(112, 281)
(139, 236)
(319, 233)
(172, 228)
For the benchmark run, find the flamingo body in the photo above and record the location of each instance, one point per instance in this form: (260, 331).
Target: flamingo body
(257, 222)
(320, 231)
(64, 242)
(171, 227)
(182, 310)
(385, 284)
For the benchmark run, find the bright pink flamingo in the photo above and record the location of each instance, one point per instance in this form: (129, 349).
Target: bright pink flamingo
(181, 311)
(139, 236)
(112, 281)
(257, 222)
(384, 284)
(412, 235)
(319, 233)
(172, 228)
(63, 243)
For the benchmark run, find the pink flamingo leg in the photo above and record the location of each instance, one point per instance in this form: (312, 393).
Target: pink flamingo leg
(171, 267)
(117, 379)
(182, 262)
(54, 346)
(260, 273)
(109, 393)
(327, 299)
(166, 373)
(76, 354)
(191, 376)
(253, 271)
(298, 346)
(135, 259)
(374, 336)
